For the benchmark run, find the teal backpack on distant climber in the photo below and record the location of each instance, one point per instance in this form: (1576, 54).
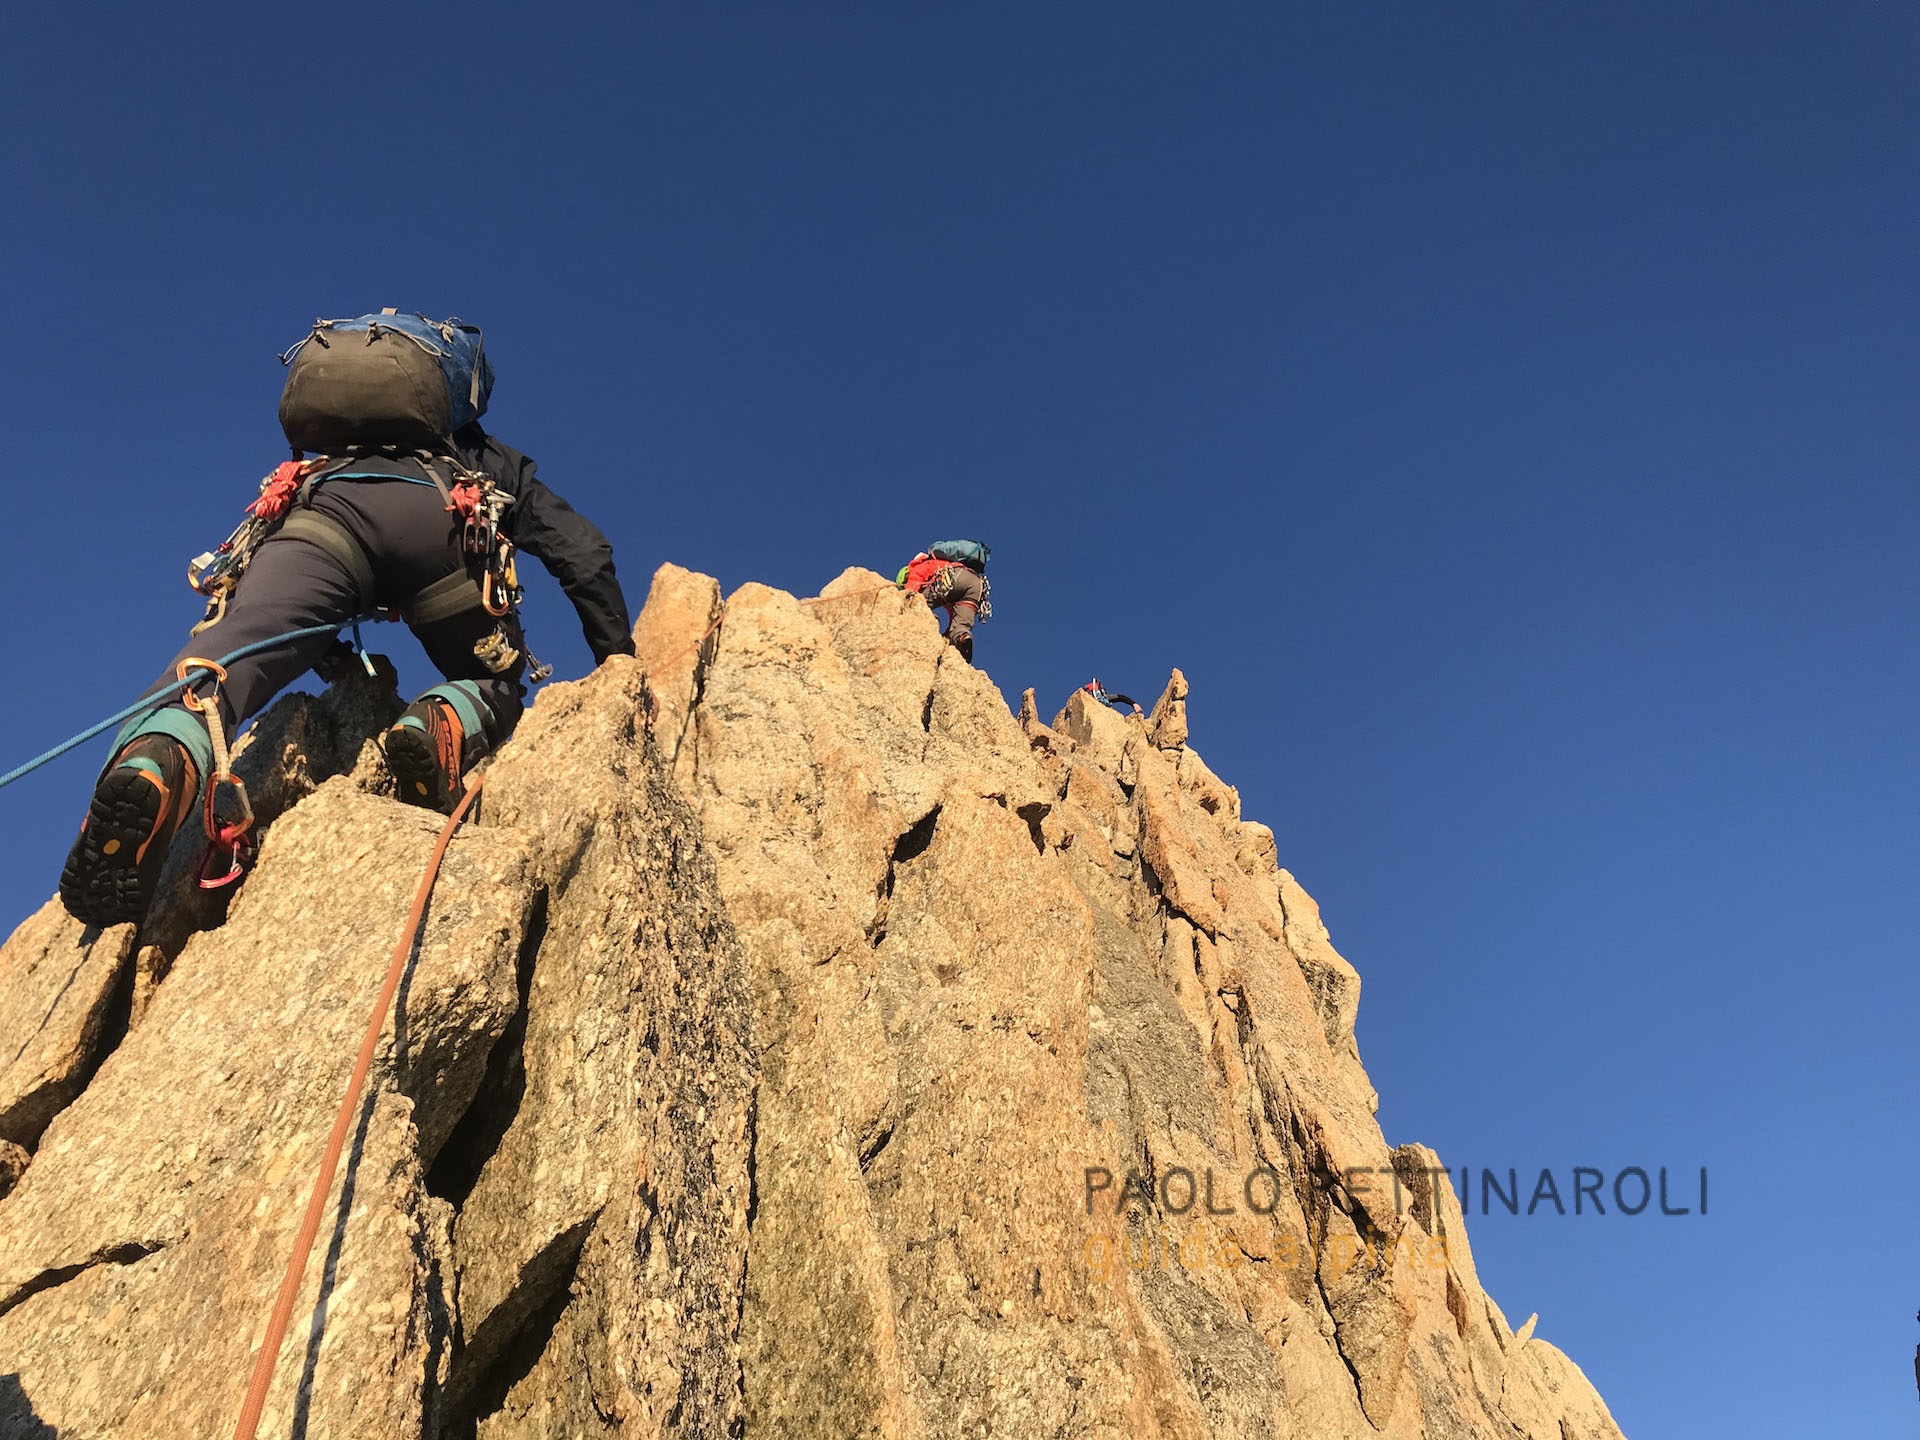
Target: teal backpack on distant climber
(383, 380)
(970, 553)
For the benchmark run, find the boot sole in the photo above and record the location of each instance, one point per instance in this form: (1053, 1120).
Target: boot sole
(414, 762)
(110, 873)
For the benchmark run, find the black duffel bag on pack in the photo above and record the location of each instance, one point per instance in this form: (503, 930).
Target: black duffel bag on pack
(383, 380)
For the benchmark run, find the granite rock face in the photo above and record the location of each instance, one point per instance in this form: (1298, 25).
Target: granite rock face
(142, 1248)
(63, 982)
(297, 742)
(601, 1247)
(1030, 999)
(543, 1206)
(71, 993)
(800, 1043)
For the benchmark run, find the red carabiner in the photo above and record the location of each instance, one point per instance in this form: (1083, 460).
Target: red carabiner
(228, 837)
(232, 841)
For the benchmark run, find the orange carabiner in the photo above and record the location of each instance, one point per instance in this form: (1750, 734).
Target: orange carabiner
(188, 698)
(495, 596)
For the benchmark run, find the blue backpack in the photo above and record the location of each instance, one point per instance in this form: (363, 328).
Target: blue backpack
(970, 553)
(383, 380)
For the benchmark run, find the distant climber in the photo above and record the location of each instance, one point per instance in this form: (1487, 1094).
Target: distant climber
(952, 575)
(408, 506)
(1107, 697)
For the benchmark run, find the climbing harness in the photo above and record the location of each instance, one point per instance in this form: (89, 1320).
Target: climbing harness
(471, 495)
(276, 1333)
(228, 838)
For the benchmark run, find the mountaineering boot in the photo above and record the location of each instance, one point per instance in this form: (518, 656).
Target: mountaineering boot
(965, 646)
(424, 749)
(138, 806)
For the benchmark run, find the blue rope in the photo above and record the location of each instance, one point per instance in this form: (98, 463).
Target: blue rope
(165, 697)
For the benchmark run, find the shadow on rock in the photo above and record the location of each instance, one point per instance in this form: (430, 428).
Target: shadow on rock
(18, 1420)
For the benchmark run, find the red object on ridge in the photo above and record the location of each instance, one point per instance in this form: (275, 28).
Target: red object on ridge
(923, 569)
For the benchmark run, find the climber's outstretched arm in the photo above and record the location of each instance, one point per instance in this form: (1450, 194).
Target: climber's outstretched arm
(572, 548)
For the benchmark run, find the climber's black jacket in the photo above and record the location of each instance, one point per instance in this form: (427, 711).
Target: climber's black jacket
(547, 528)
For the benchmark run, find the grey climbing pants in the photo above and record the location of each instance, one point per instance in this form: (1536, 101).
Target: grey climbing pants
(961, 601)
(409, 541)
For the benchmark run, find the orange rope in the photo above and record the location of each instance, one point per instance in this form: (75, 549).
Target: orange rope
(851, 594)
(269, 1354)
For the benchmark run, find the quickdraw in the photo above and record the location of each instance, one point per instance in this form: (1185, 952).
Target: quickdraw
(228, 838)
(480, 504)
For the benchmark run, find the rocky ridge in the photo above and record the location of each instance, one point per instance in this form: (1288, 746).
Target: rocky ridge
(800, 1043)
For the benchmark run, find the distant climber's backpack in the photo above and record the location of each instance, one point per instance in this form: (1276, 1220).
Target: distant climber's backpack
(380, 380)
(970, 553)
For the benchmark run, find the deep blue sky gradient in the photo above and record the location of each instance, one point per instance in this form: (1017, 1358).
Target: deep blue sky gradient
(1504, 413)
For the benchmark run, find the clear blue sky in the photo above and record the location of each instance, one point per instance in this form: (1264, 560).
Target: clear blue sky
(1505, 413)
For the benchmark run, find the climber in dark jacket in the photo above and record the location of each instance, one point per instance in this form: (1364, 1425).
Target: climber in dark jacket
(369, 531)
